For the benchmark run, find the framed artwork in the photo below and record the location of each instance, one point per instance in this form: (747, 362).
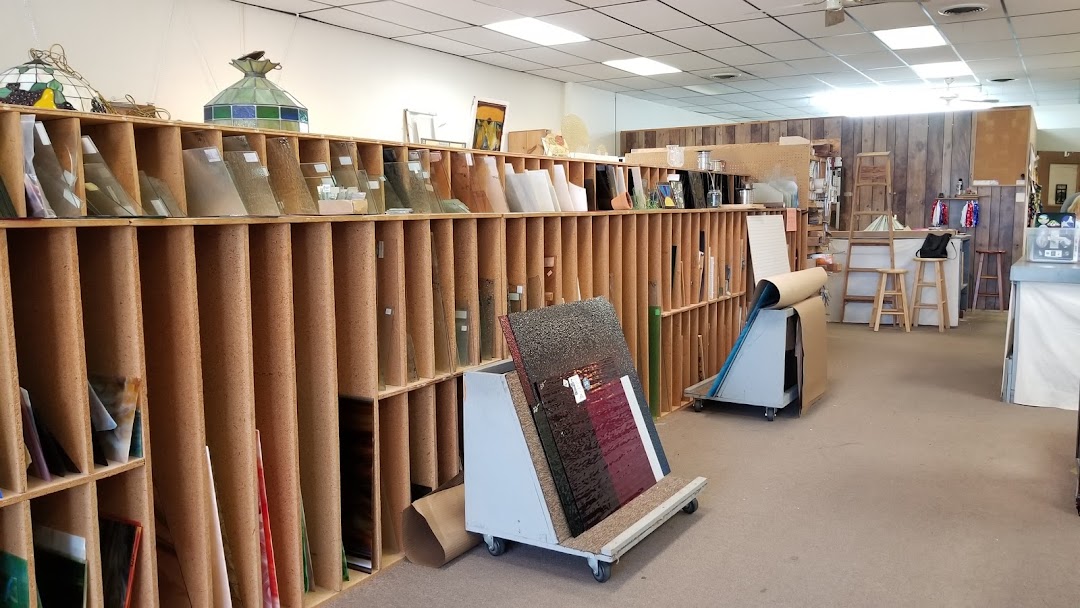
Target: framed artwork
(488, 123)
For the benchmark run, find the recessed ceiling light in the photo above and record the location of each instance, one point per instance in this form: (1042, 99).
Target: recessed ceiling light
(945, 69)
(710, 89)
(642, 66)
(536, 31)
(911, 37)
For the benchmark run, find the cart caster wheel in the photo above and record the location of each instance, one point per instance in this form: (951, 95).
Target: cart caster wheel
(496, 546)
(690, 507)
(602, 572)
(770, 413)
(698, 405)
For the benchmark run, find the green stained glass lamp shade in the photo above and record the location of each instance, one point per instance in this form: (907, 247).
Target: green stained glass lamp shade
(254, 101)
(41, 84)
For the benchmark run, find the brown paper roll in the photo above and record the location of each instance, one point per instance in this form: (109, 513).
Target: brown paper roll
(434, 528)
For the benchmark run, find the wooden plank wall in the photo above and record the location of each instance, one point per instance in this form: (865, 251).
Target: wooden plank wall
(930, 152)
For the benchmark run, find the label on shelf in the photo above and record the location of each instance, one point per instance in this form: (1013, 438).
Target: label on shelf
(42, 133)
(414, 167)
(388, 312)
(373, 185)
(464, 328)
(251, 157)
(212, 155)
(345, 161)
(321, 168)
(88, 146)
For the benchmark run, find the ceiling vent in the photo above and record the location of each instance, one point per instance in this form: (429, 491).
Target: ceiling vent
(725, 75)
(961, 10)
(1002, 79)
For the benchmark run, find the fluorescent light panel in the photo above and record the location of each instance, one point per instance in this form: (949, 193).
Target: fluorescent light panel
(642, 66)
(911, 37)
(946, 69)
(710, 89)
(536, 31)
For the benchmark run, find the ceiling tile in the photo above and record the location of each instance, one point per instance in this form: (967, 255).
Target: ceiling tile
(681, 79)
(767, 106)
(996, 49)
(291, 6)
(754, 85)
(796, 81)
(649, 15)
(892, 74)
(508, 62)
(873, 61)
(690, 61)
(1047, 24)
(736, 98)
(546, 56)
(638, 82)
(936, 54)
(591, 24)
(469, 11)
(977, 31)
(771, 70)
(997, 67)
(606, 86)
(852, 44)
(360, 23)
(677, 103)
(560, 75)
(672, 92)
(890, 16)
(712, 89)
(1049, 44)
(1030, 7)
(821, 65)
(812, 25)
(1057, 74)
(534, 8)
(645, 45)
(728, 107)
(758, 31)
(432, 41)
(1060, 96)
(645, 96)
(739, 55)
(408, 16)
(788, 94)
(1061, 60)
(598, 3)
(1053, 85)
(792, 49)
(716, 11)
(701, 38)
(488, 39)
(843, 79)
(595, 51)
(596, 71)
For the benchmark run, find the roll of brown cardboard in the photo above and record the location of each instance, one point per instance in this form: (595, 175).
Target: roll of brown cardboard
(434, 528)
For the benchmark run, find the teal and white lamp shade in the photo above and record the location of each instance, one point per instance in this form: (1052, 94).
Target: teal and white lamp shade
(40, 84)
(254, 101)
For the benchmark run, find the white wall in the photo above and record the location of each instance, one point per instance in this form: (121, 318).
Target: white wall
(632, 114)
(1059, 127)
(177, 53)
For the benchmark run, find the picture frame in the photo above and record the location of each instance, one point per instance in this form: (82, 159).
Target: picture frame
(489, 124)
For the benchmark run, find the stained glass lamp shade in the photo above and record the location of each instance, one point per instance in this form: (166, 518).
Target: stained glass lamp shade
(254, 101)
(41, 84)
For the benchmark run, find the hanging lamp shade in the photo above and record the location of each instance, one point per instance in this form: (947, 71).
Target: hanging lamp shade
(254, 101)
(47, 81)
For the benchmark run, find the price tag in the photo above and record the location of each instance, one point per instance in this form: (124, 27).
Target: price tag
(159, 206)
(464, 328)
(388, 312)
(345, 161)
(43, 135)
(212, 155)
(414, 167)
(574, 383)
(251, 157)
(373, 185)
(88, 146)
(320, 168)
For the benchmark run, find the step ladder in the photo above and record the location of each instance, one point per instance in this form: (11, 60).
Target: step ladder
(872, 170)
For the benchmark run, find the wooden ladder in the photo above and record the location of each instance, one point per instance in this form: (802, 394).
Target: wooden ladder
(868, 174)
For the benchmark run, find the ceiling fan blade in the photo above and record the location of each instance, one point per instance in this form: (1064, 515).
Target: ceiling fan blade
(834, 17)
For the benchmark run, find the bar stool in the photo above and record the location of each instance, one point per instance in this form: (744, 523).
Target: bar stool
(942, 303)
(998, 255)
(899, 310)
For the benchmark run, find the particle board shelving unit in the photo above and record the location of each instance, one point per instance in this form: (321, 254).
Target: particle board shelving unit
(238, 324)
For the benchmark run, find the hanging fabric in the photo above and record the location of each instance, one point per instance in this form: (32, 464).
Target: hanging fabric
(970, 218)
(940, 214)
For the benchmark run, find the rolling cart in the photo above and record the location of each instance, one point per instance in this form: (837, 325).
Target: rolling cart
(504, 498)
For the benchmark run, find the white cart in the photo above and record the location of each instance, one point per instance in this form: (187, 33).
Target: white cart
(504, 499)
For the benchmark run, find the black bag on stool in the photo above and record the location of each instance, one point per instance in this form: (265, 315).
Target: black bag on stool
(935, 246)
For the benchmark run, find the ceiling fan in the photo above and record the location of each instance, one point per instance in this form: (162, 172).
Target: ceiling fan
(950, 95)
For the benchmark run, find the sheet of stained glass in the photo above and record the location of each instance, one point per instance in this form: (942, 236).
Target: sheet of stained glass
(210, 188)
(57, 183)
(487, 320)
(554, 339)
(104, 194)
(411, 187)
(445, 353)
(157, 198)
(286, 179)
(253, 183)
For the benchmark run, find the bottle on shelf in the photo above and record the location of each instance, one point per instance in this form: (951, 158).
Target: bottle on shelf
(960, 187)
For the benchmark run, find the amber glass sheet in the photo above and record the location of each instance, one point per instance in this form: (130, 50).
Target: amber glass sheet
(210, 188)
(252, 182)
(286, 179)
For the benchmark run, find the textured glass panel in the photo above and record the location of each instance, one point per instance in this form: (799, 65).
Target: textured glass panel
(445, 353)
(57, 182)
(267, 112)
(235, 143)
(487, 319)
(286, 179)
(251, 179)
(411, 188)
(222, 112)
(157, 198)
(264, 96)
(104, 194)
(210, 188)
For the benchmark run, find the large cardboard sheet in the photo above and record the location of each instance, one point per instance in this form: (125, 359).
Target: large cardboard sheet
(814, 363)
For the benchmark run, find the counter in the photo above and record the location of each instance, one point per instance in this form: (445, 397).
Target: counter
(905, 245)
(1042, 343)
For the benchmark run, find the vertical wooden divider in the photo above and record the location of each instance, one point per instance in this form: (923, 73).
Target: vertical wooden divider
(420, 325)
(274, 348)
(423, 457)
(160, 154)
(17, 538)
(317, 397)
(615, 268)
(116, 143)
(601, 277)
(443, 260)
(641, 292)
(222, 259)
(466, 282)
(11, 161)
(460, 177)
(390, 251)
(576, 173)
(571, 289)
(448, 428)
(532, 164)
(174, 385)
(113, 330)
(534, 262)
(12, 456)
(200, 138)
(395, 492)
(75, 511)
(517, 256)
(632, 314)
(667, 261)
(66, 136)
(314, 150)
(667, 368)
(47, 307)
(494, 267)
(553, 261)
(585, 255)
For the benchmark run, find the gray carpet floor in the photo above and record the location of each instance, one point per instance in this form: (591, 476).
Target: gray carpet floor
(910, 484)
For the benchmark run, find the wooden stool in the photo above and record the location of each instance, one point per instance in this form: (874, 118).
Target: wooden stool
(942, 303)
(997, 254)
(899, 308)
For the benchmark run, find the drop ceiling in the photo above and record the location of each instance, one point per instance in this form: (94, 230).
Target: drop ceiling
(783, 52)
